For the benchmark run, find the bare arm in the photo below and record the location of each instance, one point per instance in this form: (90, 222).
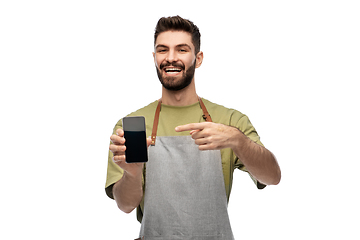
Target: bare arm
(259, 161)
(128, 191)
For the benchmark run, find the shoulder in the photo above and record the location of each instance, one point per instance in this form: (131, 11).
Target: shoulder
(148, 112)
(232, 117)
(144, 111)
(224, 115)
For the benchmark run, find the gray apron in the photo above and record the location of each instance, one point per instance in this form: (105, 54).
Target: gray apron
(184, 193)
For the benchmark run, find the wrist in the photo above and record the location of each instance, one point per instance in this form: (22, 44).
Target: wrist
(133, 175)
(237, 139)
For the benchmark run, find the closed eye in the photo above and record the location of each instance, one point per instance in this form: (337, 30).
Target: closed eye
(161, 48)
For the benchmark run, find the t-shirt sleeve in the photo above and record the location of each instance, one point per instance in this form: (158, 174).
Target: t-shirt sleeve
(114, 172)
(243, 123)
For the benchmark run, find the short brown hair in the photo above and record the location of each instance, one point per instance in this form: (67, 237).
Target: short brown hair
(178, 23)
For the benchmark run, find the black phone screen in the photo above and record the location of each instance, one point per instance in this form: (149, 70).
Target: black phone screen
(135, 139)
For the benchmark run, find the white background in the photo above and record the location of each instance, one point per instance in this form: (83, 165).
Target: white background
(70, 70)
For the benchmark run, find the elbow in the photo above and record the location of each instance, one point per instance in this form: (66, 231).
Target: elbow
(277, 180)
(271, 179)
(276, 172)
(126, 208)
(277, 177)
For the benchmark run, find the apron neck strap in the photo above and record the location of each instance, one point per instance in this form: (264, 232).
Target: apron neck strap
(206, 116)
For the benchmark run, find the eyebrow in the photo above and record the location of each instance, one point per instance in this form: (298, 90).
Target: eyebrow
(160, 46)
(183, 45)
(180, 45)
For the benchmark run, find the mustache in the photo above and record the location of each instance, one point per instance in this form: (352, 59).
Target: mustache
(173, 64)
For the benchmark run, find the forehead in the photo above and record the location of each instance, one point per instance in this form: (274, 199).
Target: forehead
(174, 38)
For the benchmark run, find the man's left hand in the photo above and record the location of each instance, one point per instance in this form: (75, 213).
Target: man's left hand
(211, 136)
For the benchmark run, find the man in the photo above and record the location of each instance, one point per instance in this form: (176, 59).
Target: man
(195, 145)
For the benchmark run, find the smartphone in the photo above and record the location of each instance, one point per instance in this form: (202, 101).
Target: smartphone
(135, 139)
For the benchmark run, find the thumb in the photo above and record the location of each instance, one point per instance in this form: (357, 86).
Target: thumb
(148, 141)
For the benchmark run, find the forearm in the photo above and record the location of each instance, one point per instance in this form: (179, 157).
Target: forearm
(259, 161)
(128, 192)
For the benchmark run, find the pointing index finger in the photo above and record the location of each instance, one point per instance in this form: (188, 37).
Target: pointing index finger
(190, 127)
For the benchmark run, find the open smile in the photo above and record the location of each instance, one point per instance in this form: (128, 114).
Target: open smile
(172, 71)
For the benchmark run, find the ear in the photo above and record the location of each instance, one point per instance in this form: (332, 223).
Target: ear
(154, 56)
(199, 59)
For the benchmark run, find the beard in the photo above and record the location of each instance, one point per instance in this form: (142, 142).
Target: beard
(170, 83)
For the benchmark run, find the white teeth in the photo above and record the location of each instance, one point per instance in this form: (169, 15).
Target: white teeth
(173, 69)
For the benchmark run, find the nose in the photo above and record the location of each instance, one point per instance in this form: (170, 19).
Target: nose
(172, 56)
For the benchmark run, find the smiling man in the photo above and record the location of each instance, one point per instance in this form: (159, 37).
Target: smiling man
(194, 147)
(171, 72)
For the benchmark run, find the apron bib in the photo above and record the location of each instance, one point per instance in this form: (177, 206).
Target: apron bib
(184, 192)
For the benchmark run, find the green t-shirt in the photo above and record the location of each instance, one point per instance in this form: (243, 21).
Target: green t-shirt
(171, 117)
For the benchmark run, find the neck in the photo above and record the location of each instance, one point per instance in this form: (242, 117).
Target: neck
(184, 97)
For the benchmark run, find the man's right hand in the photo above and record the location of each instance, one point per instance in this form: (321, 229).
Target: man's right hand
(118, 149)
(128, 190)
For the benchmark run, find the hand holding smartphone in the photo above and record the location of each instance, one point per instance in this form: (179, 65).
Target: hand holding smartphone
(135, 139)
